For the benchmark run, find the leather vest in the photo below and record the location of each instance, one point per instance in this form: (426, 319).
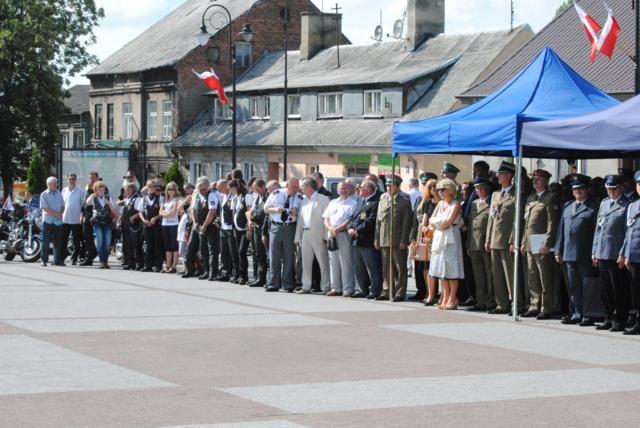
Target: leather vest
(227, 212)
(258, 212)
(240, 212)
(130, 210)
(152, 210)
(202, 207)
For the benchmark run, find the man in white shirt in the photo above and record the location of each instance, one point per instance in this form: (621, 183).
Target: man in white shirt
(414, 192)
(337, 217)
(73, 197)
(311, 235)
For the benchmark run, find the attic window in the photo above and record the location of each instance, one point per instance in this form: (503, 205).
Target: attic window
(330, 105)
(213, 55)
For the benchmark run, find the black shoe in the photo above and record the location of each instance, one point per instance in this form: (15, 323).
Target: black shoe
(587, 322)
(497, 311)
(242, 281)
(233, 280)
(475, 308)
(616, 327)
(222, 278)
(372, 297)
(43, 264)
(147, 269)
(469, 302)
(382, 297)
(289, 290)
(73, 262)
(418, 297)
(126, 267)
(543, 316)
(530, 314)
(316, 290)
(140, 268)
(256, 284)
(606, 325)
(570, 321)
(357, 295)
(633, 330)
(86, 263)
(631, 319)
(271, 289)
(187, 275)
(398, 299)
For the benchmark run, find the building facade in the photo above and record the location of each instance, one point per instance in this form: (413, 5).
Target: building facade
(76, 125)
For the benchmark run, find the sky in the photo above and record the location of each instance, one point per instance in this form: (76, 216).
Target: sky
(125, 19)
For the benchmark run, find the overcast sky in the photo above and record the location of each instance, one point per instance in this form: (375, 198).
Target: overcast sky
(125, 19)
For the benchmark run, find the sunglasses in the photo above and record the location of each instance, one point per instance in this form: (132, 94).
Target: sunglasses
(441, 190)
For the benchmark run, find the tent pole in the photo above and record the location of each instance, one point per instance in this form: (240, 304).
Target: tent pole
(516, 255)
(393, 209)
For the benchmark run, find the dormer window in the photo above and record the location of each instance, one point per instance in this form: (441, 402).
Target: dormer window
(330, 105)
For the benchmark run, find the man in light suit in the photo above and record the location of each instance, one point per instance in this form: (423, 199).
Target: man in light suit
(605, 254)
(574, 239)
(631, 252)
(311, 235)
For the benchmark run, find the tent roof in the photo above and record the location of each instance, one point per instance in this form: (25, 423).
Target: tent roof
(546, 89)
(610, 133)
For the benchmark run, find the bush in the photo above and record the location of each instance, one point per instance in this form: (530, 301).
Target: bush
(174, 174)
(36, 174)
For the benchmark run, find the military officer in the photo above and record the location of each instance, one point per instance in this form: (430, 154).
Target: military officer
(500, 238)
(393, 251)
(257, 218)
(131, 229)
(605, 253)
(476, 237)
(283, 206)
(631, 252)
(450, 171)
(540, 223)
(574, 239)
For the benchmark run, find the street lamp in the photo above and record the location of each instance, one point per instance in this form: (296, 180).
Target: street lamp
(284, 16)
(203, 37)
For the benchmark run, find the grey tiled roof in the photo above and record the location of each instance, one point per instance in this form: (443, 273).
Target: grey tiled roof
(166, 41)
(323, 133)
(566, 36)
(380, 63)
(78, 102)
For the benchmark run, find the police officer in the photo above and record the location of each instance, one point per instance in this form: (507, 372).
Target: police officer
(500, 238)
(605, 253)
(149, 209)
(131, 227)
(282, 207)
(393, 251)
(631, 252)
(257, 218)
(476, 237)
(540, 223)
(574, 240)
(628, 183)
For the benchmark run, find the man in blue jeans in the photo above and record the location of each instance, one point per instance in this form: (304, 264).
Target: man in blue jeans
(52, 206)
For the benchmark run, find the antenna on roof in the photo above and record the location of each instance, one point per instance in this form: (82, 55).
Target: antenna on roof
(398, 27)
(337, 18)
(513, 13)
(377, 34)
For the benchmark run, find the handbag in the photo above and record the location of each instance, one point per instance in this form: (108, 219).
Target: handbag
(423, 247)
(332, 244)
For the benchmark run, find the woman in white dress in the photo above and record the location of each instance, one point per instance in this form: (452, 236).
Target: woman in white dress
(446, 248)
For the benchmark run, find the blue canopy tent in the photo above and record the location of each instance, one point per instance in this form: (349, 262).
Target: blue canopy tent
(546, 89)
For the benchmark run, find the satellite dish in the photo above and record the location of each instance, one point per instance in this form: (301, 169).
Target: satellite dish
(377, 35)
(398, 27)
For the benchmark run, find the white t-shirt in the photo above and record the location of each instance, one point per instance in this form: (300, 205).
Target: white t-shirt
(168, 206)
(73, 200)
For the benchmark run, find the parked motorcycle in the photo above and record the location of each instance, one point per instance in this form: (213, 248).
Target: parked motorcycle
(26, 238)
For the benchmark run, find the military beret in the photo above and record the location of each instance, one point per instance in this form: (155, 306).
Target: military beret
(394, 180)
(426, 176)
(613, 181)
(507, 167)
(480, 181)
(541, 173)
(449, 167)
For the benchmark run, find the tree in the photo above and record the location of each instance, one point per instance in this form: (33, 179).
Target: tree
(174, 174)
(36, 173)
(40, 41)
(566, 4)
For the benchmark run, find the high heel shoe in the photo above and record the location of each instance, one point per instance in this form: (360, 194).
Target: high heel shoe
(451, 307)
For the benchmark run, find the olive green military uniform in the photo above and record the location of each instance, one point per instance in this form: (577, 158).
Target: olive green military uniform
(500, 235)
(391, 250)
(480, 259)
(541, 218)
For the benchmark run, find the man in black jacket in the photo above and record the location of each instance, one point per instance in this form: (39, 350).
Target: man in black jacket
(367, 260)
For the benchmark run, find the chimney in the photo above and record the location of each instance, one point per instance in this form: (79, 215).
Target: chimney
(318, 31)
(425, 20)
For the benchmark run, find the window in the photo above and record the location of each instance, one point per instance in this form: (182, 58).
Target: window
(78, 139)
(260, 107)
(243, 54)
(221, 111)
(98, 121)
(167, 119)
(109, 121)
(266, 107)
(247, 170)
(64, 140)
(195, 171)
(330, 105)
(294, 106)
(373, 103)
(127, 121)
(213, 54)
(152, 120)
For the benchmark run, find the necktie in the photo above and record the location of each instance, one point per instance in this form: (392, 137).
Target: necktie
(285, 214)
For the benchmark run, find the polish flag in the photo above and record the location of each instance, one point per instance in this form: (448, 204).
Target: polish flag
(609, 35)
(211, 80)
(591, 27)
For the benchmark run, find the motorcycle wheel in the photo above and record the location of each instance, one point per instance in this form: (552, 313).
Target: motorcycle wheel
(9, 255)
(31, 254)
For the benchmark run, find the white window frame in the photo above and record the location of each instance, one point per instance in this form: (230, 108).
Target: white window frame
(167, 119)
(98, 119)
(371, 98)
(265, 103)
(152, 120)
(324, 103)
(221, 111)
(243, 61)
(289, 100)
(247, 170)
(77, 144)
(65, 140)
(195, 171)
(127, 121)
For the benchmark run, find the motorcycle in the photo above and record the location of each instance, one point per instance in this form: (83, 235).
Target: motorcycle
(26, 238)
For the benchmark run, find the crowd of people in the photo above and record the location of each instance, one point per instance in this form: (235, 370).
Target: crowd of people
(458, 240)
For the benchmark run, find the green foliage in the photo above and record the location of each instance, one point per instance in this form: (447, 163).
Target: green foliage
(40, 41)
(36, 173)
(174, 174)
(566, 4)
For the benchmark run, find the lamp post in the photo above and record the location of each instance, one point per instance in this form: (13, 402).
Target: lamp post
(203, 38)
(284, 16)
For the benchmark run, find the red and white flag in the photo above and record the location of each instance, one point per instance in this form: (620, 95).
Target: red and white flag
(591, 27)
(609, 35)
(7, 206)
(211, 80)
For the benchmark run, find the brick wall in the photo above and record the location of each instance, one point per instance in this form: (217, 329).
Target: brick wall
(266, 23)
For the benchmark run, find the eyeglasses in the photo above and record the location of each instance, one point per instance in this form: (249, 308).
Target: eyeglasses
(441, 190)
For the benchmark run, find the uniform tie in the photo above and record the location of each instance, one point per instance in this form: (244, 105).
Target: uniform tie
(285, 214)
